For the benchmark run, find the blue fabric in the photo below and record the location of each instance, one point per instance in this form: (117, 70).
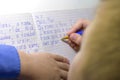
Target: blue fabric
(9, 62)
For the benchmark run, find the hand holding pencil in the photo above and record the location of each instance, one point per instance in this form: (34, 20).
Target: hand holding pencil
(74, 35)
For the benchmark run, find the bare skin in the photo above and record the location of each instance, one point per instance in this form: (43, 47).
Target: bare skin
(43, 66)
(76, 39)
(99, 56)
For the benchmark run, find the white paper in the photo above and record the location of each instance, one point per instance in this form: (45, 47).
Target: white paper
(41, 31)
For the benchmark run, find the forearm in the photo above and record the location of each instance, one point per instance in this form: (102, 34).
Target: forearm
(9, 62)
(25, 62)
(13, 63)
(101, 43)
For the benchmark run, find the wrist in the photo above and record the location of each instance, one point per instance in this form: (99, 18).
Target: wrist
(25, 62)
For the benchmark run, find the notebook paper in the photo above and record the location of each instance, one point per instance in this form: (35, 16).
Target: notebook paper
(52, 26)
(41, 31)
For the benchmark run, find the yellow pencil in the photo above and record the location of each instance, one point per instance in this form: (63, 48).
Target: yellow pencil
(67, 37)
(64, 38)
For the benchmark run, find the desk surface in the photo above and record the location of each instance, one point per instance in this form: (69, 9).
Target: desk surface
(25, 6)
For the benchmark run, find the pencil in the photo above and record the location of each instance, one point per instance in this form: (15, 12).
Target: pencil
(67, 37)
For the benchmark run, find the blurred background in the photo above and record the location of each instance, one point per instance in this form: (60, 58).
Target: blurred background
(26, 6)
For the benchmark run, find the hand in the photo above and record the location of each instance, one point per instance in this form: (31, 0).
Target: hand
(75, 39)
(43, 66)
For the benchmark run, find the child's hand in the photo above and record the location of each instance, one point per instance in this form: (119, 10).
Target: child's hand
(43, 66)
(75, 39)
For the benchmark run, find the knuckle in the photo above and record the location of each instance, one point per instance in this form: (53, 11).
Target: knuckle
(57, 70)
(78, 40)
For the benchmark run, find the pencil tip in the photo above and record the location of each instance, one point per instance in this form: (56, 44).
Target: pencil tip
(66, 37)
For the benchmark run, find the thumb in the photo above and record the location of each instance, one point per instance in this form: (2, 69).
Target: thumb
(76, 38)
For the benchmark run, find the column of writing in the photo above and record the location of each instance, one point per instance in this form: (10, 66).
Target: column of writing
(18, 31)
(52, 26)
(51, 29)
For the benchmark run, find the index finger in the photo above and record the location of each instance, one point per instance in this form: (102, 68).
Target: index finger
(80, 24)
(60, 58)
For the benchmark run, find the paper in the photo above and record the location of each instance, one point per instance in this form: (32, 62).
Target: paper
(41, 31)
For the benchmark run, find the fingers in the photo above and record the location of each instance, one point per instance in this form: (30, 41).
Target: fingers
(64, 74)
(76, 38)
(63, 66)
(86, 23)
(74, 41)
(79, 25)
(75, 46)
(60, 58)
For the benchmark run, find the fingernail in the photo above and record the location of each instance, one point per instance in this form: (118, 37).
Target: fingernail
(73, 37)
(67, 61)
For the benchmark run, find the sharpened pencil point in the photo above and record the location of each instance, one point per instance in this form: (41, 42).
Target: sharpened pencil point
(66, 37)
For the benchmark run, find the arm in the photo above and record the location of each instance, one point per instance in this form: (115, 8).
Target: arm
(99, 57)
(36, 66)
(9, 62)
